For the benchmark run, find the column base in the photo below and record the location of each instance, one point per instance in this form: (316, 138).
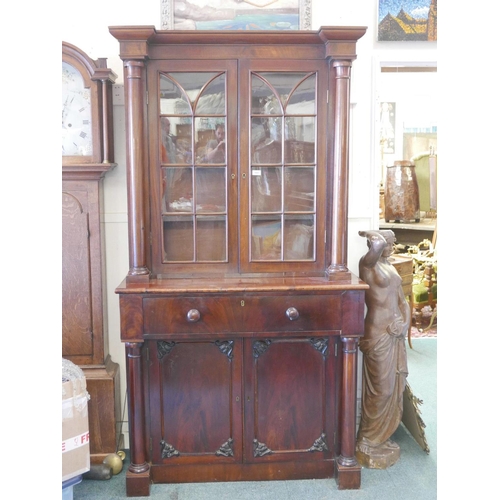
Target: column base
(138, 483)
(348, 478)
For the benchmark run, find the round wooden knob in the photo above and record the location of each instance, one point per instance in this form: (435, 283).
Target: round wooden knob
(193, 315)
(292, 314)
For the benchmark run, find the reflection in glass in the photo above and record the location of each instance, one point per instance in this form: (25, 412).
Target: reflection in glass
(181, 247)
(210, 140)
(181, 129)
(212, 100)
(266, 238)
(210, 190)
(176, 144)
(262, 94)
(298, 237)
(168, 149)
(283, 133)
(185, 92)
(275, 88)
(299, 189)
(173, 97)
(177, 189)
(192, 123)
(303, 99)
(266, 140)
(211, 239)
(266, 189)
(300, 139)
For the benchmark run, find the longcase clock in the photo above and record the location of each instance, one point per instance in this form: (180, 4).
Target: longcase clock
(87, 155)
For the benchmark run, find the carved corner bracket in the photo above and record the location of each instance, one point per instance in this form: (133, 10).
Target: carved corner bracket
(167, 450)
(226, 347)
(260, 347)
(260, 449)
(226, 450)
(319, 444)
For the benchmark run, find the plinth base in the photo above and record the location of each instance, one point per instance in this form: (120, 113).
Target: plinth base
(137, 484)
(348, 478)
(378, 457)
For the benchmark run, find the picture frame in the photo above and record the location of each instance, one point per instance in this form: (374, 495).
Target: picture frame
(407, 20)
(236, 14)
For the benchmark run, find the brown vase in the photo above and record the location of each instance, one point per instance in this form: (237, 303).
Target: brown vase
(401, 193)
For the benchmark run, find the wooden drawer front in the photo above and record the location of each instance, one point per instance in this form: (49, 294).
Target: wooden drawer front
(242, 313)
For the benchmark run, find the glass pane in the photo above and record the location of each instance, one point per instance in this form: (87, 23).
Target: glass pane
(266, 238)
(299, 189)
(168, 148)
(181, 130)
(210, 140)
(300, 139)
(266, 140)
(283, 84)
(212, 100)
(262, 97)
(210, 189)
(299, 237)
(177, 189)
(266, 189)
(303, 99)
(173, 99)
(210, 239)
(178, 239)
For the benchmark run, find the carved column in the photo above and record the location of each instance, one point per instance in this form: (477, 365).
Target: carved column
(349, 472)
(342, 76)
(138, 471)
(136, 154)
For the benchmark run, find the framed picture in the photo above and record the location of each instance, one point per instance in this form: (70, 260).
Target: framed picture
(235, 14)
(387, 126)
(407, 20)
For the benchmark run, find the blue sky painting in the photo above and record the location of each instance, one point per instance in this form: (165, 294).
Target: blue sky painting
(419, 9)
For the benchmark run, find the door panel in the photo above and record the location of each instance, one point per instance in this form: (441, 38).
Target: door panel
(196, 398)
(288, 413)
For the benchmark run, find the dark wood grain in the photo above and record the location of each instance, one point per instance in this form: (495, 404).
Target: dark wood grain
(238, 369)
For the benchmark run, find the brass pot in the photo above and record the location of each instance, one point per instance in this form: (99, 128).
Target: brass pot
(115, 461)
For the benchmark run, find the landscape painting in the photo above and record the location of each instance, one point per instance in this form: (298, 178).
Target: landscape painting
(407, 20)
(236, 14)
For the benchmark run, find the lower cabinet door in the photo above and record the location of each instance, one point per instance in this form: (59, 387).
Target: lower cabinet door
(195, 402)
(289, 399)
(202, 392)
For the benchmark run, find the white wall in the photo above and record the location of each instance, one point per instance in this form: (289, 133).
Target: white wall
(88, 29)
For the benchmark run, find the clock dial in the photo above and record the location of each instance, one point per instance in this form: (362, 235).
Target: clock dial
(76, 114)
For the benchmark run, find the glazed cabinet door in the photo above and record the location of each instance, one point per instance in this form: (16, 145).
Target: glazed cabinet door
(193, 165)
(289, 399)
(195, 401)
(283, 168)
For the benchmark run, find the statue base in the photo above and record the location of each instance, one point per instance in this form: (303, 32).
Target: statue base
(382, 456)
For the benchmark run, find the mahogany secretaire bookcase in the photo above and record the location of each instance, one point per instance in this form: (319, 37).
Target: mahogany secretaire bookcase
(239, 315)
